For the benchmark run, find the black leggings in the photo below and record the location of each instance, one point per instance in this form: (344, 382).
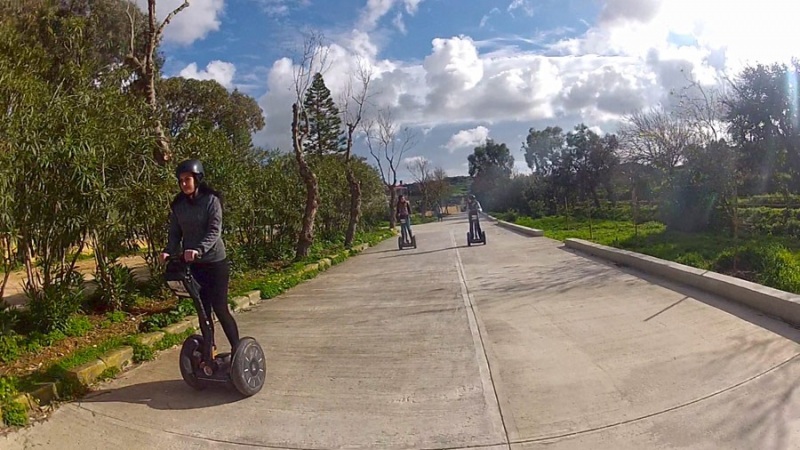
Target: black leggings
(213, 279)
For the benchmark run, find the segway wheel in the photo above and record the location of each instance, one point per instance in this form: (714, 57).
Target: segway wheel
(469, 239)
(483, 237)
(249, 367)
(400, 242)
(414, 241)
(189, 358)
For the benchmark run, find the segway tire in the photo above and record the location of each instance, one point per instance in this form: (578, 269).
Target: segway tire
(192, 344)
(414, 241)
(469, 239)
(248, 367)
(483, 237)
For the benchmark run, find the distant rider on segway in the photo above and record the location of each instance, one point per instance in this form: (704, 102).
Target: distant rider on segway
(473, 208)
(404, 212)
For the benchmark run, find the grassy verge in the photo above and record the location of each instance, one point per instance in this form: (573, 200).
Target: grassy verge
(769, 260)
(271, 282)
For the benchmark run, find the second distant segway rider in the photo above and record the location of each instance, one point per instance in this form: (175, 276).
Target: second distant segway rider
(404, 212)
(473, 208)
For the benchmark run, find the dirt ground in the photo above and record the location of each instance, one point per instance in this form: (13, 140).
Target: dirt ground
(14, 294)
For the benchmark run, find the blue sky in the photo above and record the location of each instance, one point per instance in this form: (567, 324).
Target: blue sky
(459, 71)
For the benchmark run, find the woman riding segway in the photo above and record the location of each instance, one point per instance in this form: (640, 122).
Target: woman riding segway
(196, 222)
(196, 226)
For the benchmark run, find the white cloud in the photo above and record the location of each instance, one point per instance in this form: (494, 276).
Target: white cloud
(373, 12)
(220, 71)
(280, 7)
(523, 4)
(413, 159)
(376, 9)
(193, 23)
(452, 70)
(467, 138)
(412, 6)
(486, 17)
(398, 22)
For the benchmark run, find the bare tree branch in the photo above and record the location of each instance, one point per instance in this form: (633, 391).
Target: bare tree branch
(313, 59)
(352, 113)
(704, 108)
(169, 17)
(656, 137)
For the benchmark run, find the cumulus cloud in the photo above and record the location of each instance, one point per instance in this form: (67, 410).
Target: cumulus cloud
(220, 71)
(452, 69)
(193, 23)
(467, 138)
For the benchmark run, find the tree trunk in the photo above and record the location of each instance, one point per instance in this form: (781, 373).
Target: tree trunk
(355, 207)
(306, 237)
(162, 151)
(392, 206)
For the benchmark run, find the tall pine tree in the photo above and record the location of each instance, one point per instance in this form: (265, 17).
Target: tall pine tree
(324, 125)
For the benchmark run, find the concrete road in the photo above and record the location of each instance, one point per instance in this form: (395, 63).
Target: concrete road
(518, 344)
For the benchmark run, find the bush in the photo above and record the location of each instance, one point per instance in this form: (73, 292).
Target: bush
(9, 348)
(161, 320)
(119, 290)
(51, 307)
(78, 326)
(770, 264)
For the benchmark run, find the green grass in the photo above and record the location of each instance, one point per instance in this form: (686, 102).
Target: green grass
(769, 260)
(605, 232)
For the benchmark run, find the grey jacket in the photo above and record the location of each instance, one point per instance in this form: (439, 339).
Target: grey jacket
(197, 225)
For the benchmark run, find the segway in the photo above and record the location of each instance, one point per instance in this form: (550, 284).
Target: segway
(472, 235)
(402, 240)
(199, 363)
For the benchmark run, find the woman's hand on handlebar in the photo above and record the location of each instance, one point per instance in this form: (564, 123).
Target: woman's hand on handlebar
(190, 255)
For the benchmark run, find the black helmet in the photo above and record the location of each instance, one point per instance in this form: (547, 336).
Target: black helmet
(472, 196)
(193, 166)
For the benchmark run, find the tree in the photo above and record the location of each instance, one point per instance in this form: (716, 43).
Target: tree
(489, 165)
(592, 159)
(421, 171)
(657, 138)
(439, 187)
(145, 69)
(324, 134)
(763, 122)
(352, 113)
(542, 148)
(207, 103)
(387, 144)
(313, 54)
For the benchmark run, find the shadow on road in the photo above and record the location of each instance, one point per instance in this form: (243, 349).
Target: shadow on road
(744, 312)
(166, 395)
(401, 253)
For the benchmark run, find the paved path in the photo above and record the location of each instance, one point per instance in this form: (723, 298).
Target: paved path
(518, 344)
